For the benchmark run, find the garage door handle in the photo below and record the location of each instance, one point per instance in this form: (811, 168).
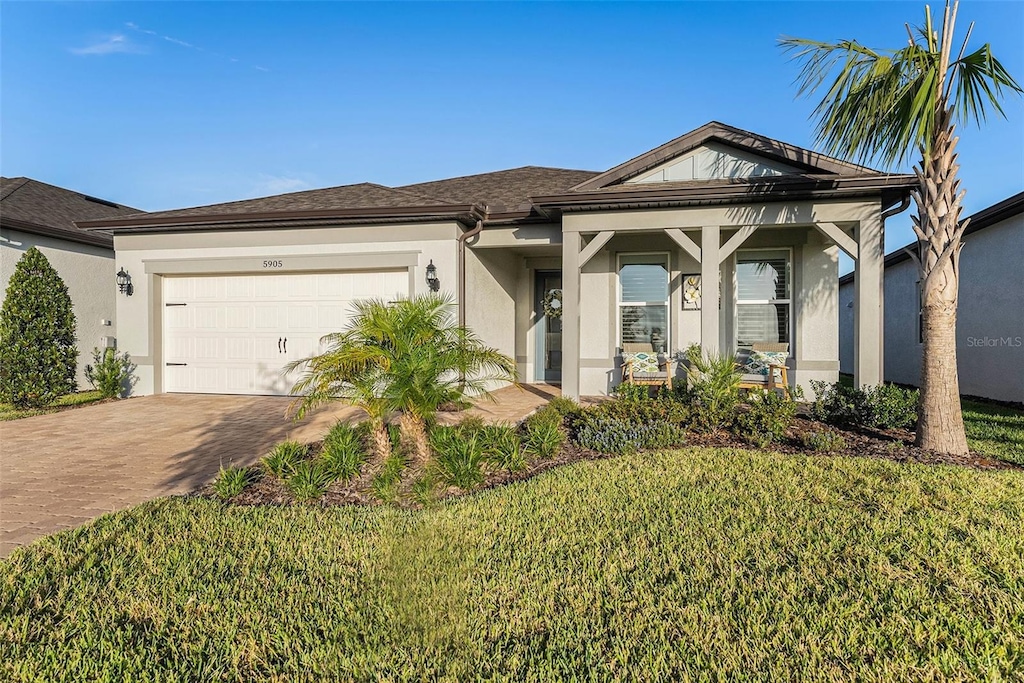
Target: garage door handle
(175, 363)
(279, 345)
(175, 304)
(286, 344)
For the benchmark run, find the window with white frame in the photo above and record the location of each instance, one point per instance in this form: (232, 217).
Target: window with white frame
(644, 300)
(763, 304)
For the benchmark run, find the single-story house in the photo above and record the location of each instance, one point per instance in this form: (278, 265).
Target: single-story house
(35, 214)
(721, 237)
(990, 317)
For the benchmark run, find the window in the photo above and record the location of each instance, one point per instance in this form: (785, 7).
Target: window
(762, 297)
(643, 300)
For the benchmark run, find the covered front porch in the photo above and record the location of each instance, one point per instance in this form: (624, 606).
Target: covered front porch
(736, 276)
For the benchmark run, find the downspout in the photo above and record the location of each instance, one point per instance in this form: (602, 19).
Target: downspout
(899, 209)
(461, 258)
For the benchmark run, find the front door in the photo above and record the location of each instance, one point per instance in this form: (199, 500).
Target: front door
(547, 304)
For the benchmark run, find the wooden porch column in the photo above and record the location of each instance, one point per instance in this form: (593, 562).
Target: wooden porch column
(571, 242)
(868, 300)
(710, 245)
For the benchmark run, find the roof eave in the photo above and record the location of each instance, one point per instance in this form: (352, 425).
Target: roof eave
(466, 213)
(93, 238)
(777, 189)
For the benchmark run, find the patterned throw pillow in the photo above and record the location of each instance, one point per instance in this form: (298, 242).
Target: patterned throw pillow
(760, 361)
(643, 361)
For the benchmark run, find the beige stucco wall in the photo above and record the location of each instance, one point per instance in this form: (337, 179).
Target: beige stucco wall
(87, 270)
(492, 280)
(990, 317)
(141, 313)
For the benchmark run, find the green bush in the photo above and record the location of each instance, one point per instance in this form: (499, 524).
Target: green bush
(502, 447)
(826, 441)
(458, 457)
(284, 457)
(665, 407)
(605, 432)
(566, 407)
(767, 418)
(309, 479)
(386, 483)
(714, 389)
(632, 393)
(38, 356)
(542, 433)
(891, 407)
(231, 481)
(885, 406)
(424, 489)
(111, 374)
(343, 453)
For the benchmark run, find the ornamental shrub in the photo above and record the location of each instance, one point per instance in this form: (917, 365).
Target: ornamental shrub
(606, 433)
(112, 374)
(885, 406)
(767, 418)
(38, 356)
(714, 389)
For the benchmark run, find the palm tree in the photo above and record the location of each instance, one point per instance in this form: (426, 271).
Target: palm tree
(408, 357)
(888, 105)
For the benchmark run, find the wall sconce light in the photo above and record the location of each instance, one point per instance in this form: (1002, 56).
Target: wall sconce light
(124, 282)
(433, 282)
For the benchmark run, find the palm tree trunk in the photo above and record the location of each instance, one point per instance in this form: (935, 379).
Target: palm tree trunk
(414, 437)
(380, 442)
(940, 424)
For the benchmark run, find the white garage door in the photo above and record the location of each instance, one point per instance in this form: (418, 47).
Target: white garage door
(234, 334)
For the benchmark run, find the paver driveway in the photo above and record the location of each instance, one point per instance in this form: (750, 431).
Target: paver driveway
(63, 469)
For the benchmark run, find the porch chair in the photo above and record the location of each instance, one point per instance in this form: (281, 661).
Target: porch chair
(765, 367)
(643, 364)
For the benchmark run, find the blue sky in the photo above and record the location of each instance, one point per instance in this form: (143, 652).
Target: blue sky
(162, 105)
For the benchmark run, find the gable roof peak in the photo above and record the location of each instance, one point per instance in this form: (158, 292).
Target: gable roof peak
(715, 131)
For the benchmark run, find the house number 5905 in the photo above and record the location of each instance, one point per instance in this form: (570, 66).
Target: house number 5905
(273, 264)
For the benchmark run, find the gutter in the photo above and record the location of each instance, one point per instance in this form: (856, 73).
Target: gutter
(194, 221)
(461, 265)
(96, 239)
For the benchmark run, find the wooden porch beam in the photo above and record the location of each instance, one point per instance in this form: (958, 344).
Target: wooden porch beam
(735, 241)
(842, 240)
(684, 241)
(590, 251)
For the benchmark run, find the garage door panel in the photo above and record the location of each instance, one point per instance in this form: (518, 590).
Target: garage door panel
(228, 333)
(238, 317)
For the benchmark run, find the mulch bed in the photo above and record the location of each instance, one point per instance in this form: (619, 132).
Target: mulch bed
(892, 444)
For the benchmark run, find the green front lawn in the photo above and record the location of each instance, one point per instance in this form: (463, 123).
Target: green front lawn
(994, 430)
(703, 563)
(10, 412)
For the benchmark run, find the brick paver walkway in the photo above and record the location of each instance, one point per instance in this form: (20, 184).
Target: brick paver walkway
(63, 469)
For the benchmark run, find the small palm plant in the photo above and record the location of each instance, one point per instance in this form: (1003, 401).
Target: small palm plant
(408, 357)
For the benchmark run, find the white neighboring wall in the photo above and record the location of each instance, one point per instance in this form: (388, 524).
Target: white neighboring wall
(88, 271)
(990, 318)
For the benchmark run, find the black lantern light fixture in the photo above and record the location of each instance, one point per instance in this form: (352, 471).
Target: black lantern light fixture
(432, 280)
(124, 282)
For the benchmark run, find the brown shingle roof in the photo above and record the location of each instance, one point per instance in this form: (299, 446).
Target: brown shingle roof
(40, 208)
(361, 195)
(503, 189)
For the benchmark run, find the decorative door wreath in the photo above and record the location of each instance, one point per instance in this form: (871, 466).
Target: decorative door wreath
(553, 303)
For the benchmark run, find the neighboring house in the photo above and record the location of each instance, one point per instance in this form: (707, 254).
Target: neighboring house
(34, 214)
(990, 317)
(226, 295)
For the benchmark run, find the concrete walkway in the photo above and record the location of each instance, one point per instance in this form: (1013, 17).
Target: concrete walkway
(64, 469)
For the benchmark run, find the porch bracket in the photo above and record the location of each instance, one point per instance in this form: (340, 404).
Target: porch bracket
(684, 241)
(600, 239)
(842, 240)
(735, 241)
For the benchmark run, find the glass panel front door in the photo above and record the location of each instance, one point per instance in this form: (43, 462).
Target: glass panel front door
(548, 298)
